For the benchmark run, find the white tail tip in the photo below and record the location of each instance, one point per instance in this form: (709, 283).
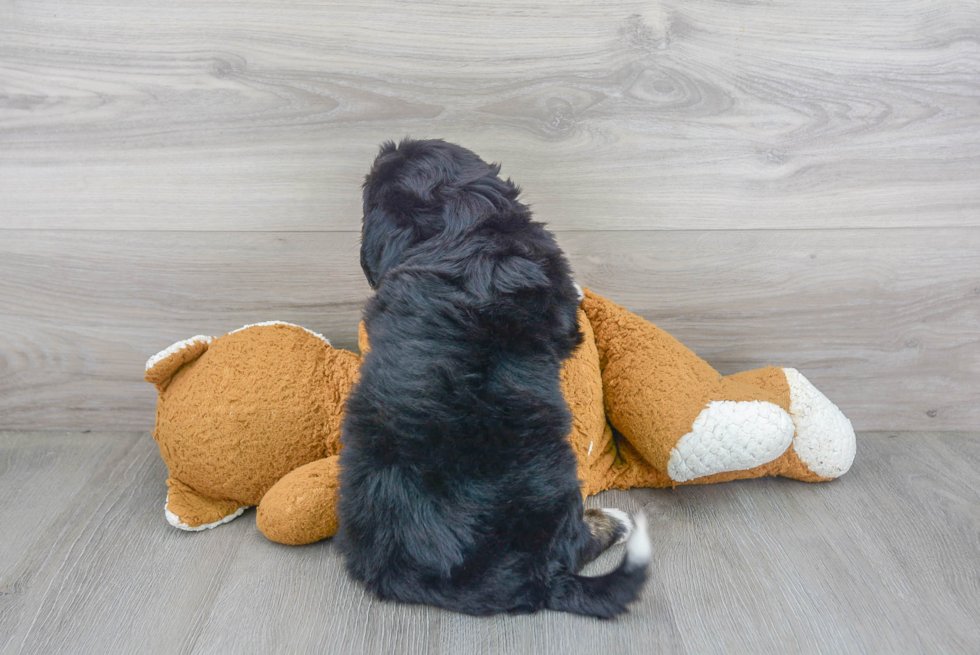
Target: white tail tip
(639, 551)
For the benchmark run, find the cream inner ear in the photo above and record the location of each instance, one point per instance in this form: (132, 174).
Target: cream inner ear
(174, 349)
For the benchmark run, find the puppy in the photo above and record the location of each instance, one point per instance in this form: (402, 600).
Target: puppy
(459, 486)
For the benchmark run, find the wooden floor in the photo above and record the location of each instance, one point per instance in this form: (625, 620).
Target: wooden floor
(786, 183)
(884, 560)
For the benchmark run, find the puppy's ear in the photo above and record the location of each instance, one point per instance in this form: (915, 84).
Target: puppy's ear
(402, 204)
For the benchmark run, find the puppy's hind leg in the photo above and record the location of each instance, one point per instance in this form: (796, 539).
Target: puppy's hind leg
(606, 527)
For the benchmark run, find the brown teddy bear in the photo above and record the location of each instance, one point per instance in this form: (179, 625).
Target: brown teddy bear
(253, 418)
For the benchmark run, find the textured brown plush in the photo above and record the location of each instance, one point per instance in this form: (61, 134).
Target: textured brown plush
(253, 418)
(591, 437)
(299, 509)
(642, 367)
(251, 407)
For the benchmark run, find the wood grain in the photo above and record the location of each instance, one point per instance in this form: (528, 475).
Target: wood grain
(885, 322)
(617, 114)
(882, 560)
(773, 182)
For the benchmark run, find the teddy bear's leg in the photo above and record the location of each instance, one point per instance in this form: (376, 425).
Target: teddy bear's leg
(302, 507)
(673, 408)
(188, 510)
(824, 444)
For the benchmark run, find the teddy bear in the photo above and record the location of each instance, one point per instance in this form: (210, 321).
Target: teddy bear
(252, 418)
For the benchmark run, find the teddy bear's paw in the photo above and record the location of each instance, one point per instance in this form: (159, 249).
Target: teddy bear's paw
(731, 435)
(301, 508)
(186, 509)
(824, 436)
(178, 523)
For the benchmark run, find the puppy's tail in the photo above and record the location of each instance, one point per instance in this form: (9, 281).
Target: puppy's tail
(605, 596)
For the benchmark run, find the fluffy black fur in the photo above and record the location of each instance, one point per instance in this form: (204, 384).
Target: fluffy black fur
(459, 487)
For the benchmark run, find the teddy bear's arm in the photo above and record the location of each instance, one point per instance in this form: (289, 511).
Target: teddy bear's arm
(301, 507)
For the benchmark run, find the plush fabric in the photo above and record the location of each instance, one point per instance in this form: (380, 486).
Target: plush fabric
(253, 418)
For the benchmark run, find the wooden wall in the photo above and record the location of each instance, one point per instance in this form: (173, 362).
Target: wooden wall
(794, 183)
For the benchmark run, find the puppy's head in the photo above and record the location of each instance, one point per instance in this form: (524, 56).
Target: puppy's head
(420, 189)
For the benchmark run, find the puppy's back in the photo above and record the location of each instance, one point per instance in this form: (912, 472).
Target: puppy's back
(459, 488)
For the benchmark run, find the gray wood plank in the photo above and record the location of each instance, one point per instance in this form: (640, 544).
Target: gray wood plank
(40, 476)
(81, 312)
(109, 575)
(885, 322)
(618, 114)
(882, 560)
(891, 545)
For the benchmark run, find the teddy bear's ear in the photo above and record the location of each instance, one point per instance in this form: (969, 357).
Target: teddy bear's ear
(161, 367)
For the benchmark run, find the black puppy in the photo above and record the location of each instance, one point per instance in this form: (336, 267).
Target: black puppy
(459, 486)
